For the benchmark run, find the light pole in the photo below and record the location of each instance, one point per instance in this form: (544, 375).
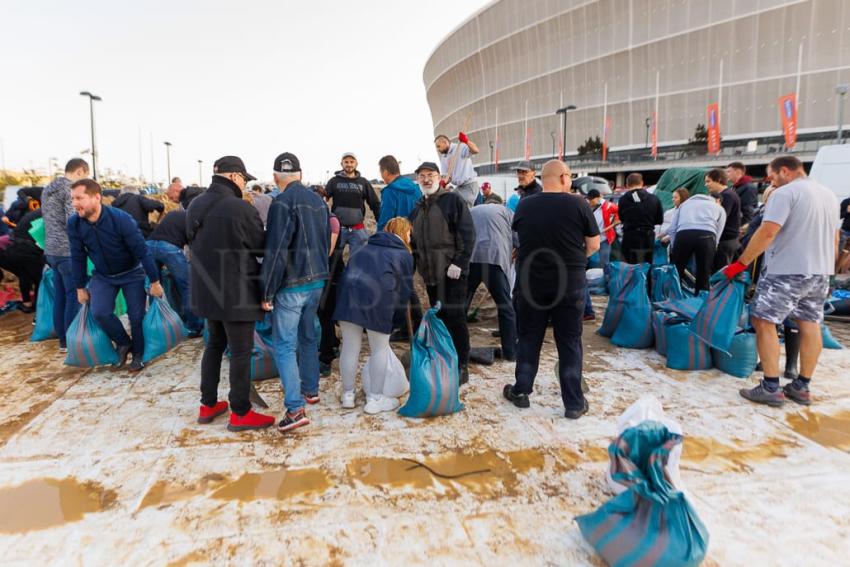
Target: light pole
(200, 173)
(648, 123)
(492, 149)
(168, 160)
(841, 91)
(564, 111)
(92, 98)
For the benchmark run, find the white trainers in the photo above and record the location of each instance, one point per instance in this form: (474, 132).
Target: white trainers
(378, 404)
(347, 399)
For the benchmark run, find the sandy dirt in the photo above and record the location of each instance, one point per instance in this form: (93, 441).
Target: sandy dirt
(108, 468)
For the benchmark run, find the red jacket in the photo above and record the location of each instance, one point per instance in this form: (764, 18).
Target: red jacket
(610, 215)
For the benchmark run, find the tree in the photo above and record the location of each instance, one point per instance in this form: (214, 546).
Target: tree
(700, 135)
(592, 145)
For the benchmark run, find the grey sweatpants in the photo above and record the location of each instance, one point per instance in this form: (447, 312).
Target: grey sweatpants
(379, 343)
(468, 192)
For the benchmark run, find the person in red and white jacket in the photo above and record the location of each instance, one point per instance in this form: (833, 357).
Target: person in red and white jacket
(607, 218)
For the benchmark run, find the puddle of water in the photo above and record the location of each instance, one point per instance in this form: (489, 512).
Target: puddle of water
(163, 493)
(280, 485)
(831, 431)
(48, 502)
(734, 458)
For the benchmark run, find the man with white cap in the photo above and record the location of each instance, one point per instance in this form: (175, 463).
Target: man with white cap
(351, 192)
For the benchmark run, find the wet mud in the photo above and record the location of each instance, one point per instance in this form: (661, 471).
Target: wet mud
(48, 502)
(831, 431)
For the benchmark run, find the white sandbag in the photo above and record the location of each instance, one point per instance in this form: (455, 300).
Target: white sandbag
(648, 408)
(395, 381)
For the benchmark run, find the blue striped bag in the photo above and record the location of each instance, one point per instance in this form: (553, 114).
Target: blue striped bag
(162, 329)
(650, 523)
(660, 254)
(659, 330)
(434, 373)
(623, 277)
(263, 366)
(43, 329)
(88, 344)
(742, 357)
(685, 351)
(665, 283)
(717, 320)
(634, 330)
(687, 307)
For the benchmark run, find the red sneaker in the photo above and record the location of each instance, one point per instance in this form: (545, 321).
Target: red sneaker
(206, 414)
(251, 420)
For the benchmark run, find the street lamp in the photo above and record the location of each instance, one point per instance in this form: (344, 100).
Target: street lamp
(841, 91)
(200, 173)
(648, 124)
(564, 112)
(168, 159)
(492, 149)
(92, 98)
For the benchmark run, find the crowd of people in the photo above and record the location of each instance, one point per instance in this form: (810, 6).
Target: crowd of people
(280, 256)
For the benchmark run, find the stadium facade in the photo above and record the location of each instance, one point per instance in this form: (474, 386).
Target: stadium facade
(504, 71)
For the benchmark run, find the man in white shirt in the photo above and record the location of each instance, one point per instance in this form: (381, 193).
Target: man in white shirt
(457, 157)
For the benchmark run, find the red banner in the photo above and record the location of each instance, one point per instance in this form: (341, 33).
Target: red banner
(788, 110)
(654, 134)
(528, 144)
(605, 138)
(561, 149)
(712, 112)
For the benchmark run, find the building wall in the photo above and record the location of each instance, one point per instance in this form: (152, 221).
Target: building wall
(510, 66)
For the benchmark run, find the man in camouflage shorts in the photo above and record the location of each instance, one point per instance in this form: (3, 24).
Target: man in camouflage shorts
(799, 236)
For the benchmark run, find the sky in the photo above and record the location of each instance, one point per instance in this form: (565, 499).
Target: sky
(250, 78)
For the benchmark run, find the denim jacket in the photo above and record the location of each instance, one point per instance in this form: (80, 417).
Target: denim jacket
(297, 240)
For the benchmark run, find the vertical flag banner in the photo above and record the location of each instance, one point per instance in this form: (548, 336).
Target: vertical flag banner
(561, 148)
(528, 144)
(713, 117)
(605, 138)
(654, 134)
(788, 110)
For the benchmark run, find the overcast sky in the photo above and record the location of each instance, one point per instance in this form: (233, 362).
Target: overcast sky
(250, 78)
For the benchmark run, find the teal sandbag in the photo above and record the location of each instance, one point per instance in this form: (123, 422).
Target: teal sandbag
(264, 327)
(650, 523)
(742, 358)
(43, 329)
(665, 283)
(263, 366)
(685, 351)
(718, 318)
(634, 330)
(434, 376)
(162, 329)
(687, 307)
(660, 255)
(622, 278)
(659, 332)
(829, 341)
(88, 344)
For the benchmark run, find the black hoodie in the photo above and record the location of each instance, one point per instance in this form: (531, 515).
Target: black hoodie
(350, 195)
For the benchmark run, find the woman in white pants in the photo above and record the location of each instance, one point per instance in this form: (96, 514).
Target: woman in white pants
(376, 283)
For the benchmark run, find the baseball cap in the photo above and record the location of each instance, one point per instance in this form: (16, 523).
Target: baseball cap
(232, 164)
(523, 165)
(430, 165)
(348, 154)
(286, 163)
(593, 193)
(485, 185)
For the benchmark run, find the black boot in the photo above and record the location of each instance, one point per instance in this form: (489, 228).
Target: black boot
(464, 374)
(792, 351)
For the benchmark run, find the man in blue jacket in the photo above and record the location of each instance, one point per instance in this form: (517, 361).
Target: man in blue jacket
(295, 268)
(113, 241)
(399, 197)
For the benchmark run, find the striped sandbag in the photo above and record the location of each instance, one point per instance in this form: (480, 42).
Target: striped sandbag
(685, 351)
(162, 329)
(622, 278)
(650, 523)
(718, 318)
(263, 366)
(43, 329)
(742, 357)
(687, 307)
(665, 283)
(88, 344)
(659, 330)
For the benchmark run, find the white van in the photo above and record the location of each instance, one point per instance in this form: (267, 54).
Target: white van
(832, 169)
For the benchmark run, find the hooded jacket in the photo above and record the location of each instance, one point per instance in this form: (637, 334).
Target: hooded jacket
(398, 199)
(748, 194)
(139, 208)
(350, 196)
(443, 234)
(56, 204)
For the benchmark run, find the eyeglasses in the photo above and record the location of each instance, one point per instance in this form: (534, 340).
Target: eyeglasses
(432, 175)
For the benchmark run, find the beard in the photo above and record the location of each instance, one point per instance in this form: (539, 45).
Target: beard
(430, 190)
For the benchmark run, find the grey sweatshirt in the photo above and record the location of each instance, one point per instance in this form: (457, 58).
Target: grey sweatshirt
(56, 207)
(699, 212)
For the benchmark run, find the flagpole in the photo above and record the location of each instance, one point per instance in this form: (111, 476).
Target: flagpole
(605, 122)
(655, 118)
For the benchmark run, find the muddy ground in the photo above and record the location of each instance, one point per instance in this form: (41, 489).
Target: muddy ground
(107, 468)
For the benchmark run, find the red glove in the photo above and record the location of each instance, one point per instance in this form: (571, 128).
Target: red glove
(734, 269)
(463, 138)
(443, 183)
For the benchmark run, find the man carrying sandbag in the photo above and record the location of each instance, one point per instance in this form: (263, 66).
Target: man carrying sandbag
(112, 240)
(799, 233)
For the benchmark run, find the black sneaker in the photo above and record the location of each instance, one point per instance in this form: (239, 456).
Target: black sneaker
(324, 369)
(798, 392)
(293, 421)
(464, 374)
(577, 413)
(762, 395)
(123, 353)
(136, 365)
(519, 400)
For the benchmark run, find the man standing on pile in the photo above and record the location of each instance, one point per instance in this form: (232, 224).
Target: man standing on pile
(745, 188)
(351, 192)
(640, 212)
(57, 208)
(458, 157)
(799, 233)
(443, 239)
(557, 234)
(112, 240)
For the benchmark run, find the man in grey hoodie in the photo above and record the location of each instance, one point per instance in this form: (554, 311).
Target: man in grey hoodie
(695, 229)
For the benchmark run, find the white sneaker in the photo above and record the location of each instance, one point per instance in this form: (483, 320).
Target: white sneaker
(347, 399)
(378, 404)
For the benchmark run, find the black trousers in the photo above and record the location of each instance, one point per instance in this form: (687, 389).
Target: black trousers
(239, 336)
(694, 243)
(727, 251)
(327, 304)
(26, 261)
(564, 308)
(499, 287)
(638, 245)
(452, 295)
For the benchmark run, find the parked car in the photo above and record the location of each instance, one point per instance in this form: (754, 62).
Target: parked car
(586, 183)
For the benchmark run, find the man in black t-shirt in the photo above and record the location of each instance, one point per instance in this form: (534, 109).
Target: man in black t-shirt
(557, 233)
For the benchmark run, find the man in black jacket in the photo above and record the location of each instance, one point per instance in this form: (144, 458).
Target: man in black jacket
(443, 239)
(746, 188)
(640, 211)
(528, 184)
(727, 249)
(351, 192)
(138, 207)
(226, 236)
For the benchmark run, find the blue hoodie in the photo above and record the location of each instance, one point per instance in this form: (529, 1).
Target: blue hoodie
(398, 199)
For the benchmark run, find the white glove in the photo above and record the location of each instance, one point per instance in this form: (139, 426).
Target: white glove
(453, 272)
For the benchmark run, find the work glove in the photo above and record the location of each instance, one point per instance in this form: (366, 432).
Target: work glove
(463, 138)
(453, 272)
(444, 183)
(734, 269)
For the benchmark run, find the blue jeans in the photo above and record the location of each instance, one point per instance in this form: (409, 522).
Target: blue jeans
(65, 304)
(104, 290)
(500, 290)
(174, 259)
(605, 257)
(295, 332)
(356, 238)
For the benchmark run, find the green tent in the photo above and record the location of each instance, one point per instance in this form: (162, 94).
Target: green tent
(691, 178)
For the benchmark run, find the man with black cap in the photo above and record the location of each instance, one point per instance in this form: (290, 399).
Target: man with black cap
(351, 192)
(226, 237)
(443, 239)
(295, 269)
